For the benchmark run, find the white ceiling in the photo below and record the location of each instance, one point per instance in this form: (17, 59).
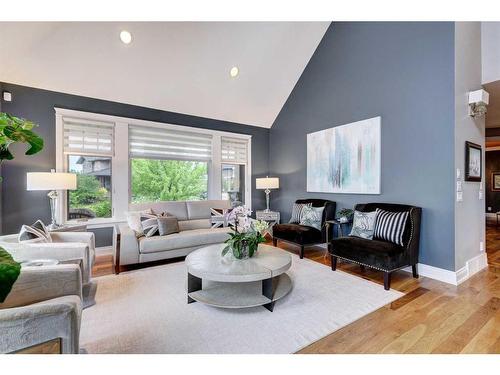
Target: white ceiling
(173, 66)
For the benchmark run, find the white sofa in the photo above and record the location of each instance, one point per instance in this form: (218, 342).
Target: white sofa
(195, 232)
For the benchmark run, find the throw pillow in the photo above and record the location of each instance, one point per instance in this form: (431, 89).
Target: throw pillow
(390, 226)
(311, 216)
(36, 232)
(218, 217)
(363, 224)
(134, 221)
(168, 225)
(149, 223)
(297, 212)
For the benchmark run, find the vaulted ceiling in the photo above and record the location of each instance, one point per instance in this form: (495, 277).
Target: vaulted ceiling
(174, 66)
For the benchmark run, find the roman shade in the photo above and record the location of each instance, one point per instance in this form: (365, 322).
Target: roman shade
(234, 150)
(83, 136)
(157, 143)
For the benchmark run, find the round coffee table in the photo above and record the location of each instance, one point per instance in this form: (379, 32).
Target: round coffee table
(232, 283)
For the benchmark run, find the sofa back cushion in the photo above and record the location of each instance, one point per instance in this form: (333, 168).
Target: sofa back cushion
(201, 209)
(177, 209)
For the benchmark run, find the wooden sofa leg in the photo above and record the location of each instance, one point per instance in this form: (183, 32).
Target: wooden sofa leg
(414, 271)
(275, 242)
(334, 262)
(387, 280)
(302, 252)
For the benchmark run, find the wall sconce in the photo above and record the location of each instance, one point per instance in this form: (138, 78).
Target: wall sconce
(478, 100)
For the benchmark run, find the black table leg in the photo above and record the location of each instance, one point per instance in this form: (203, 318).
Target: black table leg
(268, 288)
(194, 284)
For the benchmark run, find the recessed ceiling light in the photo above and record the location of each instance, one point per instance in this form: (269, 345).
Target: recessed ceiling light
(125, 37)
(234, 71)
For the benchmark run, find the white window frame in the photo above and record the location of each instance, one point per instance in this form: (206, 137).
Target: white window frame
(120, 165)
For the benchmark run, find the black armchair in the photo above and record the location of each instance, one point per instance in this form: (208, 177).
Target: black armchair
(304, 235)
(382, 255)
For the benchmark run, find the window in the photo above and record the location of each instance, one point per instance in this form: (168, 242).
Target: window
(120, 161)
(233, 183)
(168, 180)
(234, 155)
(92, 198)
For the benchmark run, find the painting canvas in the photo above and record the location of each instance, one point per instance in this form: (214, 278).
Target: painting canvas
(495, 181)
(345, 159)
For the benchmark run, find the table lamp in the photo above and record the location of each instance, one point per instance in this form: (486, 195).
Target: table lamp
(51, 181)
(266, 184)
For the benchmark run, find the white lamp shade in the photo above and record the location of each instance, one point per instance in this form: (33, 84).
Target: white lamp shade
(50, 181)
(267, 183)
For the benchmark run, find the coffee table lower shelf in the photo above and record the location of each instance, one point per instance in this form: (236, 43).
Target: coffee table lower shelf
(239, 295)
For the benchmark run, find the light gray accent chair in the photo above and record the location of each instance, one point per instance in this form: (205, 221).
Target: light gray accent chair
(195, 232)
(65, 247)
(43, 305)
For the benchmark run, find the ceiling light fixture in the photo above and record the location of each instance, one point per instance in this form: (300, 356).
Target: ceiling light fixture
(125, 37)
(234, 71)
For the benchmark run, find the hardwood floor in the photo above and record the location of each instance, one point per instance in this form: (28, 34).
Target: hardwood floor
(432, 317)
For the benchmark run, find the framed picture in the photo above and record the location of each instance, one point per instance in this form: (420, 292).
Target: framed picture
(495, 181)
(345, 159)
(473, 162)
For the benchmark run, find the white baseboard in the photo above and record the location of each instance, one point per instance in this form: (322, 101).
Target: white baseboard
(440, 274)
(104, 250)
(472, 267)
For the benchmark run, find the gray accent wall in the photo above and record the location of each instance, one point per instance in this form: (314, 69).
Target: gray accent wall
(21, 206)
(403, 72)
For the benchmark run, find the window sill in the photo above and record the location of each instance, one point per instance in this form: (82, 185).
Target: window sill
(97, 223)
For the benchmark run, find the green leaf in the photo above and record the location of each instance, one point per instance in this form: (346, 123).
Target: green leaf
(5, 154)
(36, 144)
(225, 250)
(9, 272)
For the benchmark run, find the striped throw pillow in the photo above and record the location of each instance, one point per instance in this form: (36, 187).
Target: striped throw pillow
(297, 212)
(390, 226)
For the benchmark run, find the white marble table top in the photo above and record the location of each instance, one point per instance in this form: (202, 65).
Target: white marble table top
(207, 263)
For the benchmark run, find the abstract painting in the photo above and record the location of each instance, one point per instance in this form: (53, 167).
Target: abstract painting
(345, 159)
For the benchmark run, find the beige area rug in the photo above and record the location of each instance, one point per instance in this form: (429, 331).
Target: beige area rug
(145, 311)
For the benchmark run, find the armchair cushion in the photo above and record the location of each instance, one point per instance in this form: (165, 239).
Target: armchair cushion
(297, 233)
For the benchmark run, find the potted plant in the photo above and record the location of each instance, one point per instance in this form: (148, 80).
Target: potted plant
(246, 236)
(345, 215)
(17, 130)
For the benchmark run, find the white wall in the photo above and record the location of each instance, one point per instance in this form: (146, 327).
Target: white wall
(490, 49)
(469, 214)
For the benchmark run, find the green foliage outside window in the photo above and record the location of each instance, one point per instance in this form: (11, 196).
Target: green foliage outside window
(91, 196)
(168, 180)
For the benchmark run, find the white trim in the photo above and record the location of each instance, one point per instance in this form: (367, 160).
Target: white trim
(472, 267)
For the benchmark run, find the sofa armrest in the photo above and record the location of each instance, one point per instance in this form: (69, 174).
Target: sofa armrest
(85, 237)
(126, 246)
(61, 251)
(413, 245)
(34, 324)
(36, 284)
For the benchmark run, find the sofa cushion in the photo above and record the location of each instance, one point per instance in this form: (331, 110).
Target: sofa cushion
(194, 224)
(378, 254)
(300, 234)
(188, 238)
(167, 225)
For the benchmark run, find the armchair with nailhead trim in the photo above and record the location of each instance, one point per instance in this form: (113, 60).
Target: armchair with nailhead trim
(382, 255)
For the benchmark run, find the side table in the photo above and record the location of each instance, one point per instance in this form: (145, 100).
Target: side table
(271, 217)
